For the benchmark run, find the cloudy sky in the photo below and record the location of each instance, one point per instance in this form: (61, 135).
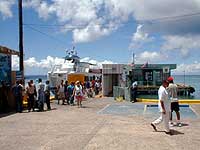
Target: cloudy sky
(105, 31)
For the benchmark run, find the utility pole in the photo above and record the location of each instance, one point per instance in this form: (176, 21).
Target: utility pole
(21, 57)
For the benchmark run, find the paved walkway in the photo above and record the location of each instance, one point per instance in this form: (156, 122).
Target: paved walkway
(71, 128)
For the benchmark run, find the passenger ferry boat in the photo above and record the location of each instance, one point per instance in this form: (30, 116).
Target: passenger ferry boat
(73, 69)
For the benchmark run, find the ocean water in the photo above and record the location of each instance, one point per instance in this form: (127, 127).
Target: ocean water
(35, 78)
(192, 80)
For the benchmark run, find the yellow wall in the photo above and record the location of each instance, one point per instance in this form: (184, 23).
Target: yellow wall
(76, 77)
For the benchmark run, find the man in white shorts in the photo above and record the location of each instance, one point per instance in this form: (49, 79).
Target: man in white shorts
(172, 91)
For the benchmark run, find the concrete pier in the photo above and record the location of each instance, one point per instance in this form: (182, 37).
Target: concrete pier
(71, 128)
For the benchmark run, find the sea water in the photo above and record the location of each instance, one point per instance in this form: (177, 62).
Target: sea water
(35, 78)
(192, 80)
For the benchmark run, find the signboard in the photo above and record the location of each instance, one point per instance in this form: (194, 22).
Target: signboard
(19, 75)
(165, 69)
(5, 68)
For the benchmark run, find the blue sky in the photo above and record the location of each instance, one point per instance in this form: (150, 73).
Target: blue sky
(104, 31)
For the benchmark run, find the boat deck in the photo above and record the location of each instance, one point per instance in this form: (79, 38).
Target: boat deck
(182, 89)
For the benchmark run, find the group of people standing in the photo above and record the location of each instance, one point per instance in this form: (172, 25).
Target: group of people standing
(64, 92)
(40, 94)
(168, 102)
(76, 91)
(36, 96)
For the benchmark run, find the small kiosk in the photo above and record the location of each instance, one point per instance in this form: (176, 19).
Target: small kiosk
(148, 76)
(7, 79)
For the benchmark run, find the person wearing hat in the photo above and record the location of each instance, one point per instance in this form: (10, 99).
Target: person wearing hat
(172, 91)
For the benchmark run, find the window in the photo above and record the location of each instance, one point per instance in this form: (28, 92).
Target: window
(149, 76)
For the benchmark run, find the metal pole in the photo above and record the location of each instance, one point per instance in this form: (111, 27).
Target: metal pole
(21, 57)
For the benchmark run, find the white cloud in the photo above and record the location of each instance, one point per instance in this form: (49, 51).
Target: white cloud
(81, 11)
(183, 44)
(32, 66)
(119, 9)
(44, 10)
(92, 19)
(67, 11)
(97, 64)
(150, 57)
(139, 38)
(89, 17)
(42, 7)
(148, 10)
(31, 3)
(139, 35)
(90, 33)
(44, 63)
(5, 8)
(31, 62)
(193, 69)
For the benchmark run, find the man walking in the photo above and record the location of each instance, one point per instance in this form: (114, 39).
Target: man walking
(164, 107)
(172, 91)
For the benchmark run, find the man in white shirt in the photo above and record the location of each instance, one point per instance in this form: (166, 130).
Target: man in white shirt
(172, 90)
(134, 92)
(164, 108)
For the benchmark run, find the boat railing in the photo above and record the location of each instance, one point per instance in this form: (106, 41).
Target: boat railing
(56, 67)
(147, 83)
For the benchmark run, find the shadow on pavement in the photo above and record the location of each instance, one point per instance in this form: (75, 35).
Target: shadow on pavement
(86, 107)
(6, 114)
(175, 132)
(184, 124)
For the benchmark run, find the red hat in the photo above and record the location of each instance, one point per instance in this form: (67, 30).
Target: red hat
(170, 78)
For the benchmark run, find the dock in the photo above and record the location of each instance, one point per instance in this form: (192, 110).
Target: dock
(72, 128)
(183, 90)
(181, 101)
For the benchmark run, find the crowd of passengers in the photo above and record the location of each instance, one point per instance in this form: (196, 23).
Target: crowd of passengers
(68, 94)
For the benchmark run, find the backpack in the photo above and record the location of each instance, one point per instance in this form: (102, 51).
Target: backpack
(70, 90)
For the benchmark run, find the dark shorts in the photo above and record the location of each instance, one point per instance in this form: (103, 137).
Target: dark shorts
(174, 106)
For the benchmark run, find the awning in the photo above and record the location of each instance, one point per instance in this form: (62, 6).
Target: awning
(8, 51)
